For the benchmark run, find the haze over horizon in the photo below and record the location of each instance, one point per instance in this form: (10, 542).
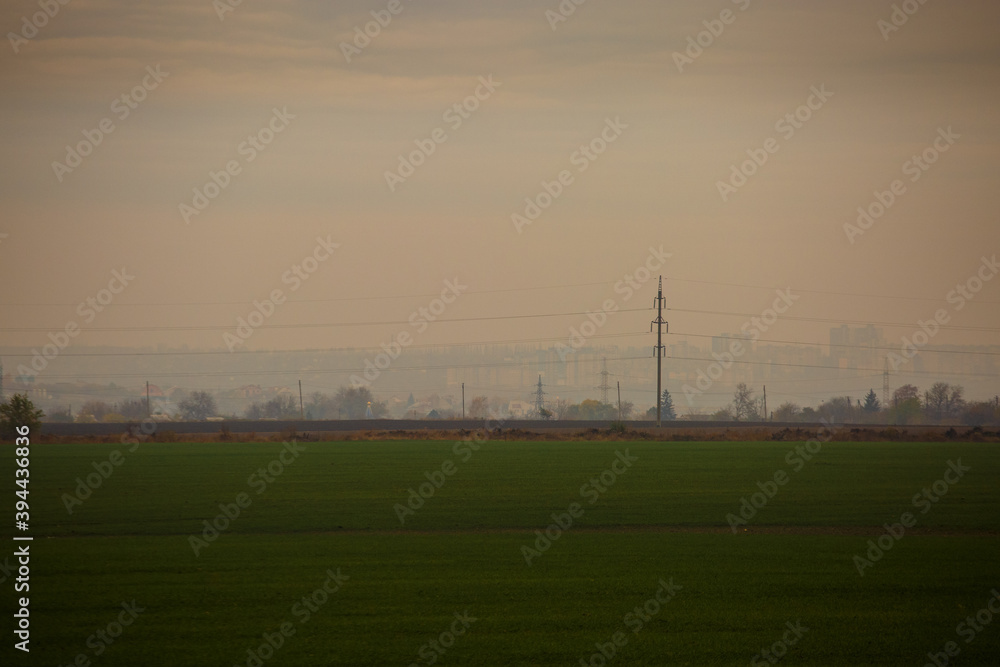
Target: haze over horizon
(359, 180)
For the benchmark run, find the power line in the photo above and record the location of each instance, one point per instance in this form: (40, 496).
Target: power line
(327, 300)
(341, 350)
(843, 345)
(220, 327)
(909, 325)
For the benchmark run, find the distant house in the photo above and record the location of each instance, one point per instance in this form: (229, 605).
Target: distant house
(519, 409)
(249, 391)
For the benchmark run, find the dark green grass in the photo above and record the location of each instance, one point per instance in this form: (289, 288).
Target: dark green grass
(333, 508)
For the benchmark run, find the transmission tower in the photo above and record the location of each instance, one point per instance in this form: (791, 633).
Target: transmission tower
(604, 387)
(885, 385)
(659, 349)
(539, 397)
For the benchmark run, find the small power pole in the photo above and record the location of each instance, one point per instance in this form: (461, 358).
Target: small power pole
(765, 403)
(619, 401)
(463, 400)
(148, 413)
(659, 349)
(885, 384)
(302, 410)
(604, 382)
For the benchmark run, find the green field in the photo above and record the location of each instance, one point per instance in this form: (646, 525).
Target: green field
(331, 508)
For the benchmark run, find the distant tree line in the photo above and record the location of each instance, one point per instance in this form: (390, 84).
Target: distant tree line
(942, 404)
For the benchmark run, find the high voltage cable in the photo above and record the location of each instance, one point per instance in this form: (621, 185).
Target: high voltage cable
(519, 364)
(514, 341)
(319, 325)
(327, 300)
(873, 370)
(844, 345)
(325, 371)
(499, 291)
(909, 325)
(813, 291)
(496, 317)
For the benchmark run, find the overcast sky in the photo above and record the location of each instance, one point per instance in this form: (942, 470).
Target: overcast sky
(345, 115)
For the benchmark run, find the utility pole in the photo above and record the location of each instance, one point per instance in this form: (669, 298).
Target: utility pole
(659, 349)
(619, 401)
(463, 400)
(302, 410)
(148, 413)
(765, 403)
(604, 382)
(885, 384)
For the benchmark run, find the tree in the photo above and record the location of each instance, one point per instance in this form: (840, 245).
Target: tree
(744, 406)
(723, 415)
(95, 409)
(871, 404)
(943, 401)
(837, 410)
(19, 411)
(352, 403)
(591, 409)
(666, 406)
(59, 416)
(198, 406)
(980, 413)
(786, 412)
(905, 393)
(131, 408)
(479, 408)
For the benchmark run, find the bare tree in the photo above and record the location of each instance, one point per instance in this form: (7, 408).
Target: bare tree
(944, 401)
(479, 408)
(744, 405)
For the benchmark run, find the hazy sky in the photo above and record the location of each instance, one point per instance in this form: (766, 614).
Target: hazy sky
(611, 68)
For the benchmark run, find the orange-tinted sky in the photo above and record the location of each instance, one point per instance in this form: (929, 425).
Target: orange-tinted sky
(677, 126)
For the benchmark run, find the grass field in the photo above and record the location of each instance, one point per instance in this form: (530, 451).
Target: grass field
(461, 555)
